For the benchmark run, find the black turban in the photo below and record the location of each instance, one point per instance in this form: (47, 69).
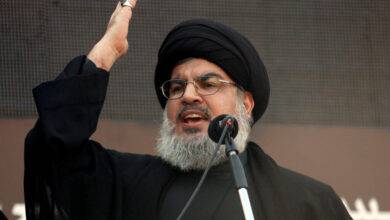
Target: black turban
(221, 45)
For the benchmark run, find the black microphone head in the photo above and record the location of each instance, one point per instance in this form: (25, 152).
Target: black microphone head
(218, 124)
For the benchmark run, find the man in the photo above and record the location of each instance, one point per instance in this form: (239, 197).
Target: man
(204, 69)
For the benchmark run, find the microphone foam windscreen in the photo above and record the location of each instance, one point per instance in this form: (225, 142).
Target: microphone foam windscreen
(218, 124)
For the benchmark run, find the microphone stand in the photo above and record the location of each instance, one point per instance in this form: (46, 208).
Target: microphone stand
(239, 176)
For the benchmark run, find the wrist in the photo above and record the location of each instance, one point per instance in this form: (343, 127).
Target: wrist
(104, 55)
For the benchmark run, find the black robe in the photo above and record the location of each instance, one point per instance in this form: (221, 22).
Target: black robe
(68, 176)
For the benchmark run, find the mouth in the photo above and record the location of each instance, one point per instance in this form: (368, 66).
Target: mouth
(192, 118)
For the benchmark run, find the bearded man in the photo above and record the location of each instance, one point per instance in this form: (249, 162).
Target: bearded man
(204, 69)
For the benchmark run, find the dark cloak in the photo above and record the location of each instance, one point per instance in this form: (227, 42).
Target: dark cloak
(68, 176)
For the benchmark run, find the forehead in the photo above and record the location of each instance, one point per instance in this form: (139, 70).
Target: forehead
(194, 67)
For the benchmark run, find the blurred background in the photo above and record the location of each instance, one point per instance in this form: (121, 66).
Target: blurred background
(328, 63)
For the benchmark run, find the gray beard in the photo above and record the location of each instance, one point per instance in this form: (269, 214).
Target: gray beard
(194, 152)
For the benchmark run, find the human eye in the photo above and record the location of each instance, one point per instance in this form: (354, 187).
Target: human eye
(208, 82)
(176, 87)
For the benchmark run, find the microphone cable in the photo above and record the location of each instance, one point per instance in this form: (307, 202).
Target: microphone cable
(200, 183)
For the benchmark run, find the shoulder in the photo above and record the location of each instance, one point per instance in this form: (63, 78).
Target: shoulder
(267, 164)
(312, 197)
(305, 184)
(131, 162)
(134, 161)
(130, 167)
(317, 199)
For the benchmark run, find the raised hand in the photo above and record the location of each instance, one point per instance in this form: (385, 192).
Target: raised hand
(114, 42)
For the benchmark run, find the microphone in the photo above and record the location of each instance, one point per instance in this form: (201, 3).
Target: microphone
(227, 127)
(218, 124)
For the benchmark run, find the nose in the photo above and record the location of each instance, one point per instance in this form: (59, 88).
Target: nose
(190, 94)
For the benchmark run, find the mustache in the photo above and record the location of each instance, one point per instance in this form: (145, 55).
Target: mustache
(200, 108)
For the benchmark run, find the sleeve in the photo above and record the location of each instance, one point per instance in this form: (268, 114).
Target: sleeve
(69, 106)
(68, 109)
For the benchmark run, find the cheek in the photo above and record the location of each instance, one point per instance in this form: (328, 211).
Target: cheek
(171, 110)
(222, 105)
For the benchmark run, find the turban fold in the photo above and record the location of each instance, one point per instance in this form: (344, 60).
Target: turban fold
(221, 45)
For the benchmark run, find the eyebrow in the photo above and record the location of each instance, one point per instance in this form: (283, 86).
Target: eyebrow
(176, 77)
(209, 74)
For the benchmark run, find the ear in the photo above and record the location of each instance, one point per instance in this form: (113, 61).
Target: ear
(248, 102)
